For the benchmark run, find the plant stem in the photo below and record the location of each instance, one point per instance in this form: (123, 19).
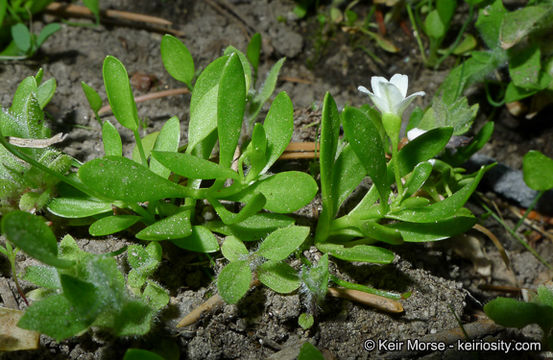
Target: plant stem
(530, 208)
(140, 147)
(458, 38)
(416, 32)
(395, 165)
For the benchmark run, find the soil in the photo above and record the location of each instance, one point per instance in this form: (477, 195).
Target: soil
(445, 278)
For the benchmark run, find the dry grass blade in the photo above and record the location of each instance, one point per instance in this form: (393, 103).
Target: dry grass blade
(195, 314)
(496, 242)
(378, 302)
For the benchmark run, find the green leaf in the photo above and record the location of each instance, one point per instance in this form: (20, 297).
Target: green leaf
(469, 43)
(167, 140)
(21, 37)
(155, 295)
(518, 314)
(363, 253)
(255, 227)
(133, 319)
(94, 7)
(309, 352)
(233, 249)
(457, 114)
(83, 297)
(537, 171)
(441, 210)
(489, 23)
(203, 103)
(278, 276)
(434, 26)
(282, 242)
(346, 175)
(245, 64)
(111, 139)
(514, 93)
(545, 295)
(518, 24)
(423, 148)
(253, 51)
(316, 278)
(94, 100)
(119, 93)
(144, 260)
(365, 140)
(234, 281)
(74, 208)
(525, 66)
(112, 224)
(330, 131)
(193, 167)
(231, 102)
(119, 178)
(255, 152)
(413, 232)
(306, 321)
(46, 32)
(266, 90)
(278, 126)
(446, 9)
(177, 60)
(42, 276)
(45, 92)
(464, 153)
(173, 227)
(139, 354)
(285, 192)
(53, 316)
(201, 240)
(417, 179)
(30, 234)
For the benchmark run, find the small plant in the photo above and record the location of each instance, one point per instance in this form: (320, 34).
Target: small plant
(78, 289)
(518, 314)
(21, 185)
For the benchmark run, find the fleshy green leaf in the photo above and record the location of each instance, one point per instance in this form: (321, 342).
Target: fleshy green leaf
(233, 249)
(417, 179)
(282, 242)
(231, 102)
(177, 60)
(537, 170)
(112, 224)
(254, 205)
(30, 234)
(74, 208)
(423, 148)
(346, 175)
(366, 142)
(330, 131)
(119, 178)
(413, 232)
(139, 354)
(148, 143)
(363, 253)
(94, 100)
(514, 313)
(441, 210)
(434, 26)
(119, 93)
(245, 64)
(255, 227)
(173, 227)
(203, 103)
(167, 140)
(201, 240)
(111, 139)
(278, 126)
(193, 167)
(45, 92)
(278, 276)
(309, 352)
(21, 37)
(266, 90)
(253, 51)
(285, 192)
(234, 281)
(46, 32)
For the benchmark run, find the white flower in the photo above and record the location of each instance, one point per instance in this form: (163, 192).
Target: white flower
(389, 96)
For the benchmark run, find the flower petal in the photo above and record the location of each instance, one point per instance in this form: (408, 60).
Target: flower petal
(393, 97)
(380, 103)
(376, 84)
(364, 90)
(403, 105)
(401, 82)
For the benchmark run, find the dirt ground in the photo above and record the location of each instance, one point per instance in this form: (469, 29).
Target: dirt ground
(446, 278)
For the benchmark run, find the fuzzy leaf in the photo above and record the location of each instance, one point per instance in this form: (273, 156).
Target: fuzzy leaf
(233, 249)
(234, 281)
(278, 276)
(43, 276)
(282, 242)
(155, 295)
(30, 234)
(119, 93)
(45, 92)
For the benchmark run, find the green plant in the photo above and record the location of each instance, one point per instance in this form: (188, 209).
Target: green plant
(517, 39)
(518, 314)
(77, 289)
(21, 185)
